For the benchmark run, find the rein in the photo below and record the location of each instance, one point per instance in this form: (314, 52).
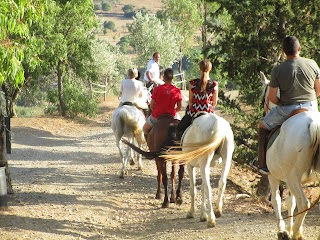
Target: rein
(264, 102)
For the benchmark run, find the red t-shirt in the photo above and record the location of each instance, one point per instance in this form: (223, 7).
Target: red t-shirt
(165, 96)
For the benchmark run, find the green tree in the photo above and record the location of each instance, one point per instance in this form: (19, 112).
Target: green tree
(148, 35)
(111, 65)
(16, 44)
(252, 43)
(128, 10)
(68, 39)
(109, 25)
(186, 16)
(105, 6)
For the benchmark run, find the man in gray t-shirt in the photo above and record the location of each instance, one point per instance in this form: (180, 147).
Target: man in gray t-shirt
(298, 80)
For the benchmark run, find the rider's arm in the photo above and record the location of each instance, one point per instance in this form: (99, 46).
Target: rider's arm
(148, 74)
(317, 87)
(152, 103)
(273, 95)
(190, 96)
(214, 97)
(179, 105)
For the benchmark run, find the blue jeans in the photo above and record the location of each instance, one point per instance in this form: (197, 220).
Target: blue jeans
(279, 114)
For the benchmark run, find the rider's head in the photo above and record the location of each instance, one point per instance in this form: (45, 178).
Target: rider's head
(132, 73)
(291, 46)
(168, 75)
(156, 57)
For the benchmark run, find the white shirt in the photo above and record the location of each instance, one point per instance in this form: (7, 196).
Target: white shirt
(130, 90)
(153, 68)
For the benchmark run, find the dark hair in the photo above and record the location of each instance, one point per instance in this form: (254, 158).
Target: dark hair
(138, 77)
(168, 74)
(290, 45)
(155, 54)
(205, 66)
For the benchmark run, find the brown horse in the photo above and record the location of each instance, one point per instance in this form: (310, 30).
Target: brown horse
(157, 141)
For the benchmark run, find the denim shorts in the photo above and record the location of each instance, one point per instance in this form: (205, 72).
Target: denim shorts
(279, 114)
(151, 120)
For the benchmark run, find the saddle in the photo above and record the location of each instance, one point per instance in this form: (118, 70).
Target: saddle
(128, 104)
(275, 131)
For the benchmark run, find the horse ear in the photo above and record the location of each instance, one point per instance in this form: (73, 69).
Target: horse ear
(263, 78)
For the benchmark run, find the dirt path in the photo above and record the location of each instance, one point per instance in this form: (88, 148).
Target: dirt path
(66, 182)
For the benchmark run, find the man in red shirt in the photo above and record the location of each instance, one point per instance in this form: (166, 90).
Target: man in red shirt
(165, 99)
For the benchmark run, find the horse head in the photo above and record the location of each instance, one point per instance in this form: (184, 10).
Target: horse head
(266, 104)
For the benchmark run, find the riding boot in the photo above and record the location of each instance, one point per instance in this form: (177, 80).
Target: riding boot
(262, 142)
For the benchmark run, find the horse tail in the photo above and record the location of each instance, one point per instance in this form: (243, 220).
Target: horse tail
(147, 155)
(314, 129)
(127, 119)
(195, 150)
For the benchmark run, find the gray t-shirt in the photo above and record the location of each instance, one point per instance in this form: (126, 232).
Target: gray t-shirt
(295, 78)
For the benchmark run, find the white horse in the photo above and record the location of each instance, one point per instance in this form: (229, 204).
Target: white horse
(209, 140)
(128, 121)
(294, 159)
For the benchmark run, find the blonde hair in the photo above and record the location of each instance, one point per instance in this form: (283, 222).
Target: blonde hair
(132, 73)
(205, 67)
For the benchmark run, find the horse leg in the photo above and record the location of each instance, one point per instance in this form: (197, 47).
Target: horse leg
(139, 158)
(130, 152)
(291, 205)
(165, 203)
(226, 164)
(206, 194)
(302, 204)
(276, 203)
(173, 183)
(193, 190)
(122, 158)
(179, 189)
(159, 178)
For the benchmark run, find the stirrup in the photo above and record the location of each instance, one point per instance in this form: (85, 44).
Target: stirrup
(254, 167)
(264, 171)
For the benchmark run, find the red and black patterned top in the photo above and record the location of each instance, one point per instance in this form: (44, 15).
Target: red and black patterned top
(201, 100)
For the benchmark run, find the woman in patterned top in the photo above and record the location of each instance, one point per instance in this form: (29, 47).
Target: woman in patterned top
(203, 96)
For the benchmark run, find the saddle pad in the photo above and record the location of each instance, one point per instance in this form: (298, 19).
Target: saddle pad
(273, 135)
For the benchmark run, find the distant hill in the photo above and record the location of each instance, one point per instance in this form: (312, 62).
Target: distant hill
(116, 15)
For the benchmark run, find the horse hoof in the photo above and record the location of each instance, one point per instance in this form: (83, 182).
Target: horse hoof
(179, 201)
(172, 200)
(190, 215)
(203, 219)
(165, 205)
(218, 213)
(121, 176)
(132, 162)
(158, 196)
(211, 224)
(283, 235)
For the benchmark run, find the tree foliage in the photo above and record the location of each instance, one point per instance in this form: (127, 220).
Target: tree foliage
(111, 64)
(250, 43)
(148, 35)
(68, 39)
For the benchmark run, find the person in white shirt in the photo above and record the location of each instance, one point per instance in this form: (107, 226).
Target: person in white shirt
(131, 90)
(152, 74)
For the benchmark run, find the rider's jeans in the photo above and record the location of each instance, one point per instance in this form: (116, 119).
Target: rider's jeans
(279, 114)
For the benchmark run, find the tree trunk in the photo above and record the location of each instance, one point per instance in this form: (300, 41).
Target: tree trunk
(3, 160)
(63, 107)
(204, 31)
(182, 77)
